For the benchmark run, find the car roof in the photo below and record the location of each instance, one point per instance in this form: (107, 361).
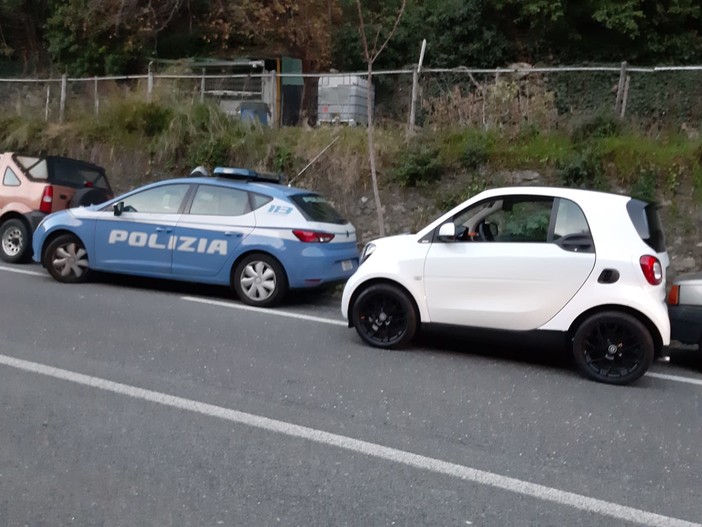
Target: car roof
(271, 189)
(575, 194)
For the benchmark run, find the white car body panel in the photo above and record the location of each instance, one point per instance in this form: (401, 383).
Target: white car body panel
(535, 285)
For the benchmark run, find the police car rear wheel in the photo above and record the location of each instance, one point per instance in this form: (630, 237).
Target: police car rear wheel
(259, 280)
(67, 260)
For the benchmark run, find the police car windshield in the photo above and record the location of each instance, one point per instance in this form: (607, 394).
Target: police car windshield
(315, 208)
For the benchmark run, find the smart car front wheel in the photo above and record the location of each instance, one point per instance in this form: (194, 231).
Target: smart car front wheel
(66, 259)
(613, 348)
(384, 316)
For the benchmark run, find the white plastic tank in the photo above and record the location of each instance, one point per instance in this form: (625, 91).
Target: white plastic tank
(343, 99)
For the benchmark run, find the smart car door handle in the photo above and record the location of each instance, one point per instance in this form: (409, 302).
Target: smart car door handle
(163, 229)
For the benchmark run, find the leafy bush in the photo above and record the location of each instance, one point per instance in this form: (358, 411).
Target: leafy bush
(474, 156)
(418, 168)
(582, 170)
(604, 125)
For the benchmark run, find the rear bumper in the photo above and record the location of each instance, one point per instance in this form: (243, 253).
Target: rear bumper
(34, 218)
(315, 266)
(686, 323)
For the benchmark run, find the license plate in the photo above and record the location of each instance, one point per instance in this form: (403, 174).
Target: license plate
(347, 265)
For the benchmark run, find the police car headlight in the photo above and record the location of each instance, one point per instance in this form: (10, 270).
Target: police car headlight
(367, 251)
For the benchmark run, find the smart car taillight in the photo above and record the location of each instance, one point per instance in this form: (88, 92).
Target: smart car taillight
(652, 269)
(47, 199)
(313, 236)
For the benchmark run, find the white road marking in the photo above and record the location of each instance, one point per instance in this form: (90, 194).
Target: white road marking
(267, 311)
(481, 477)
(21, 271)
(675, 378)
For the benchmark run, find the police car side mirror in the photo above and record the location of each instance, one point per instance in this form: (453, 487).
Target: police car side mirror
(118, 208)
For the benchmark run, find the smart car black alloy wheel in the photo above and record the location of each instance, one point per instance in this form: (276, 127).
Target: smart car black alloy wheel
(613, 348)
(384, 316)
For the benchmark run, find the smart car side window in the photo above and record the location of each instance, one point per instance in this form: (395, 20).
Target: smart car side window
(10, 179)
(522, 220)
(570, 219)
(161, 200)
(220, 201)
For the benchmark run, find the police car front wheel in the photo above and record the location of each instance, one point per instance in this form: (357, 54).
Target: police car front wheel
(66, 259)
(260, 280)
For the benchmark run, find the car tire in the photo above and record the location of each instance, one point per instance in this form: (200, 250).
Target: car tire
(89, 196)
(15, 241)
(384, 316)
(259, 280)
(66, 259)
(613, 348)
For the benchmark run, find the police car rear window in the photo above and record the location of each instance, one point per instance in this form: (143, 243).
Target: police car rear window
(316, 208)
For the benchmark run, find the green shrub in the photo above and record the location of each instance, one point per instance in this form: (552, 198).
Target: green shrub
(604, 125)
(418, 168)
(474, 156)
(583, 169)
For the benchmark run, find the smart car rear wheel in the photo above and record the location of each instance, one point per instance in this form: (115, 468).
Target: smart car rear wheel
(259, 280)
(613, 348)
(15, 241)
(67, 260)
(384, 316)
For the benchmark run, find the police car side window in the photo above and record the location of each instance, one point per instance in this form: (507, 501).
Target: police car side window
(220, 201)
(259, 200)
(161, 200)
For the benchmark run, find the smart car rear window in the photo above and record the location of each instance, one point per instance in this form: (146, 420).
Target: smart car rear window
(647, 222)
(316, 208)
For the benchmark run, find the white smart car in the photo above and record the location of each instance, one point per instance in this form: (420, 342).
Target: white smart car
(590, 265)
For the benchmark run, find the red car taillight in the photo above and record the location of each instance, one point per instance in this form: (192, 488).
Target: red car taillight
(47, 199)
(313, 236)
(652, 269)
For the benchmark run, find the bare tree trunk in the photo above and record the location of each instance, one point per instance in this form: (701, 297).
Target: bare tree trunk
(371, 153)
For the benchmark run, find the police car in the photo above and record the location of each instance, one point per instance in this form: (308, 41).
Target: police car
(237, 228)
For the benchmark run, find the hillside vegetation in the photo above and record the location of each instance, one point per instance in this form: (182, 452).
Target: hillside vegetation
(140, 142)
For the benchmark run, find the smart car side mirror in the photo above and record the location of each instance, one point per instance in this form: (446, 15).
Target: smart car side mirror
(118, 208)
(447, 232)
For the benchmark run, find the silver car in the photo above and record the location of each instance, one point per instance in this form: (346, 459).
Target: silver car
(685, 309)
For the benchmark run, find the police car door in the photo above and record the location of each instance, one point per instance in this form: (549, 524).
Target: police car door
(215, 224)
(139, 236)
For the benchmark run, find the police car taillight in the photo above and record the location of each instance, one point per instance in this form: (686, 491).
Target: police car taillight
(313, 236)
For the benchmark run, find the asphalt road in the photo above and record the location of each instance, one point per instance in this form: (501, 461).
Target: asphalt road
(129, 402)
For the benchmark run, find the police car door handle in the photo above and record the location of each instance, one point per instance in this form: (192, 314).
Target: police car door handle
(163, 229)
(232, 233)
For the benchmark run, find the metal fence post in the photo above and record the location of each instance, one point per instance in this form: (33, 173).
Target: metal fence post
(48, 98)
(202, 86)
(97, 98)
(62, 106)
(415, 88)
(150, 82)
(620, 89)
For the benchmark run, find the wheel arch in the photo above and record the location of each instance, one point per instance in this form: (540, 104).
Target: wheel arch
(250, 252)
(647, 322)
(14, 215)
(374, 281)
(52, 236)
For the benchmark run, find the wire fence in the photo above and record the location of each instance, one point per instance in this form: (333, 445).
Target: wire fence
(510, 99)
